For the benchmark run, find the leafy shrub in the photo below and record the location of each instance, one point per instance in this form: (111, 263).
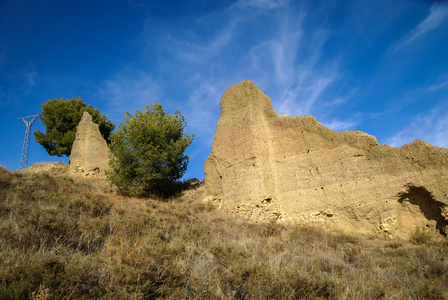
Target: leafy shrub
(148, 151)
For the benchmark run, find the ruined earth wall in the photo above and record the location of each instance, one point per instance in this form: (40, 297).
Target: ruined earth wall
(90, 154)
(267, 166)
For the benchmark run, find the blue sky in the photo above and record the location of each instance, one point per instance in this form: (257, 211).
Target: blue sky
(376, 66)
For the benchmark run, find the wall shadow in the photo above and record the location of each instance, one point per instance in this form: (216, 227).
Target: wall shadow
(431, 208)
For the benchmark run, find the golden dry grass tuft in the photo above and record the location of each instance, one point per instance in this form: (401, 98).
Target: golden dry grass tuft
(64, 239)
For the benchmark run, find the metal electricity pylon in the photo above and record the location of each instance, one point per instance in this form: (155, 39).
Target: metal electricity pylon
(29, 121)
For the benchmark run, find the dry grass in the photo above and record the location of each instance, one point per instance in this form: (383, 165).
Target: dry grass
(61, 239)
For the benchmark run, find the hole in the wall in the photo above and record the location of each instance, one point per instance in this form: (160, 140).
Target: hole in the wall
(267, 200)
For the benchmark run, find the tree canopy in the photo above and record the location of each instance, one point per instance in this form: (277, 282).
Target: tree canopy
(61, 117)
(148, 151)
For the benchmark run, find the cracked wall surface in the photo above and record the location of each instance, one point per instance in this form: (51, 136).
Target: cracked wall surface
(265, 166)
(90, 154)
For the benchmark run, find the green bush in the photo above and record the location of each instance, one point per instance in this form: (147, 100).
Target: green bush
(148, 151)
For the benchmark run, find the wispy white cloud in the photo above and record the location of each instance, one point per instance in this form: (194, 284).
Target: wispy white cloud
(202, 111)
(300, 99)
(442, 83)
(128, 91)
(261, 4)
(193, 47)
(438, 15)
(266, 41)
(340, 125)
(284, 52)
(283, 56)
(300, 73)
(202, 51)
(431, 126)
(30, 75)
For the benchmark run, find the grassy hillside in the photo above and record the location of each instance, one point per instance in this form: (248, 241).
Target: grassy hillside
(66, 239)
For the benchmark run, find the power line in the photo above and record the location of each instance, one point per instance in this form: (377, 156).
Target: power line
(26, 142)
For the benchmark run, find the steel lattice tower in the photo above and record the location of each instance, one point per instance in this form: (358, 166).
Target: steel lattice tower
(26, 142)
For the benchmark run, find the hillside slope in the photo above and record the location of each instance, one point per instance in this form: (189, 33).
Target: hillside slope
(63, 237)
